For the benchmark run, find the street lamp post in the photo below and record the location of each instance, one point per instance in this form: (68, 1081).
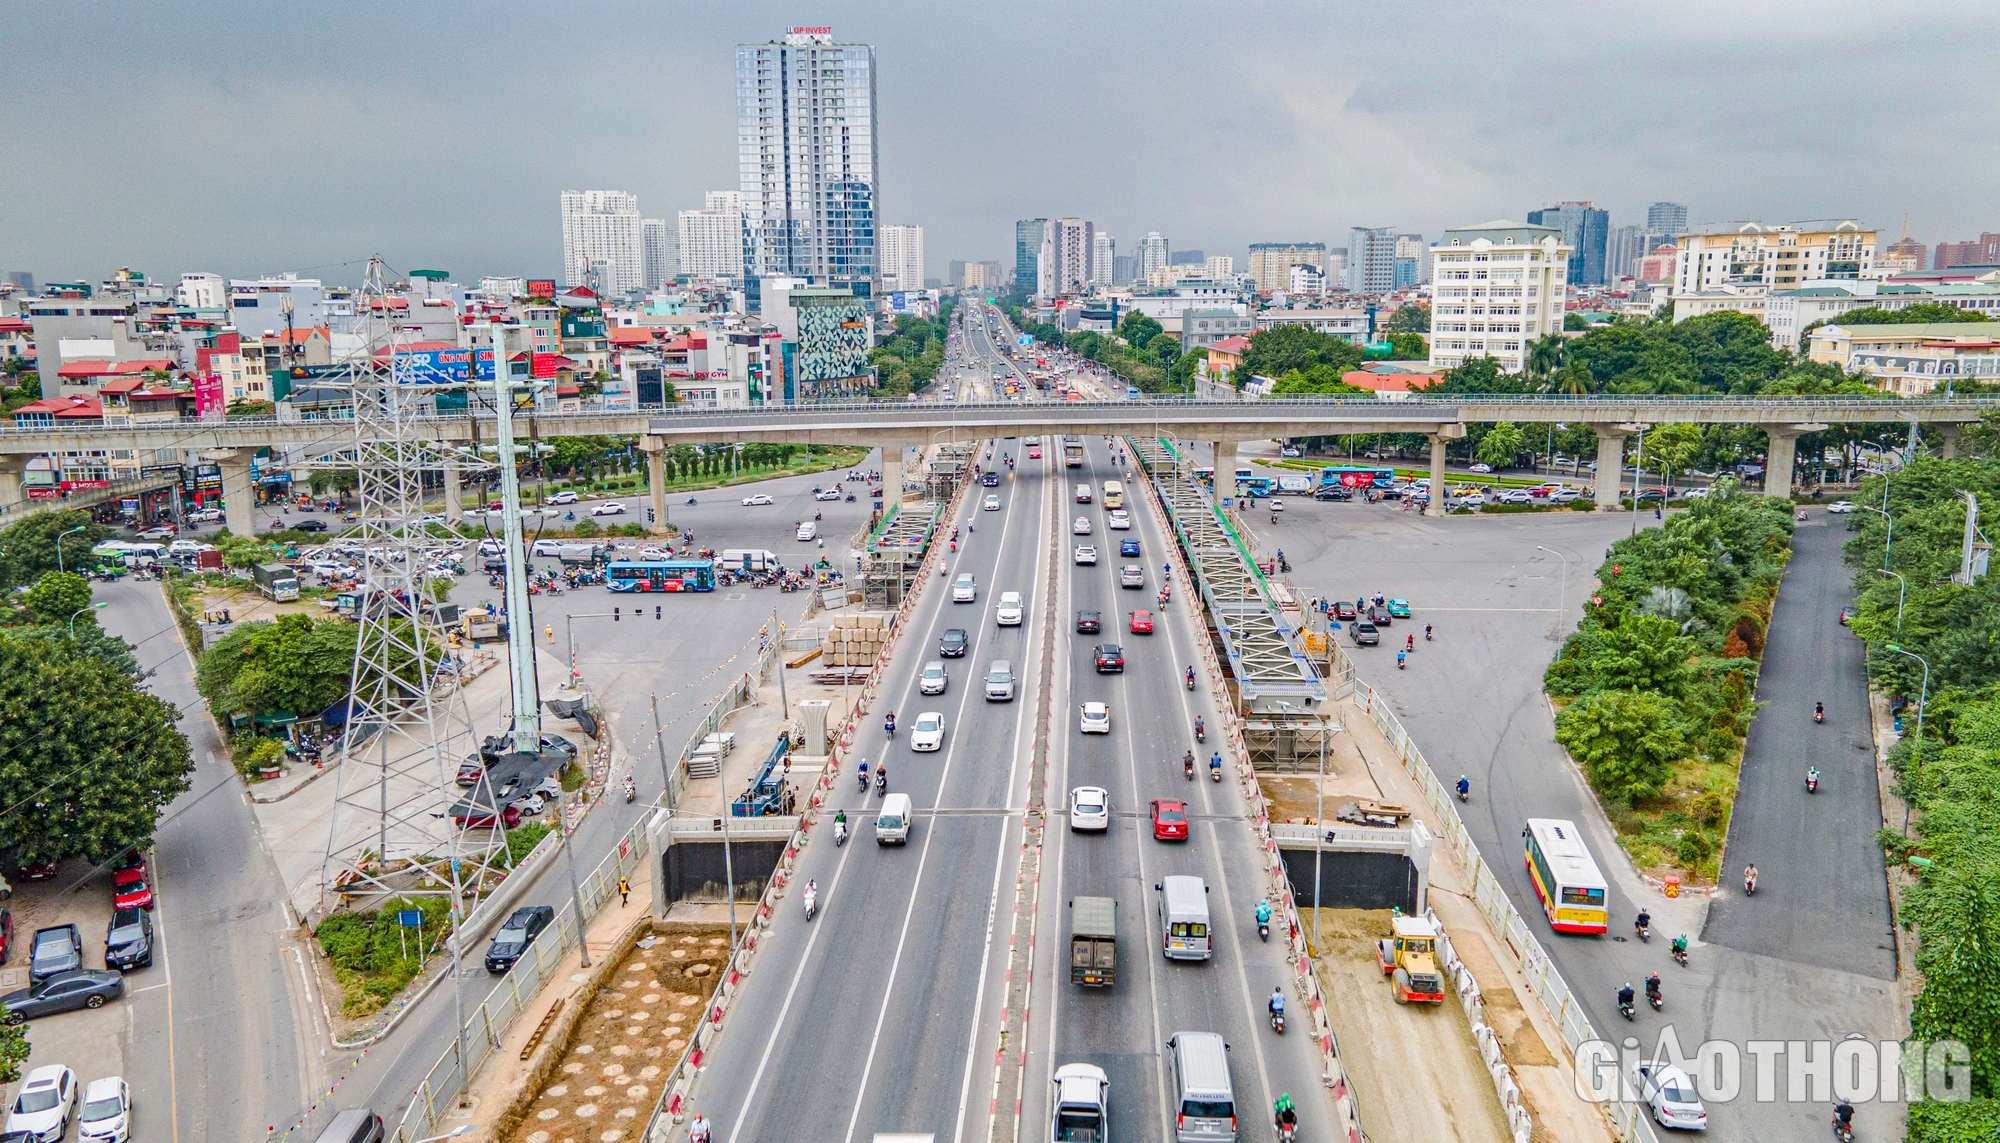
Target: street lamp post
(569, 630)
(1917, 748)
(1901, 590)
(80, 611)
(1562, 592)
(60, 537)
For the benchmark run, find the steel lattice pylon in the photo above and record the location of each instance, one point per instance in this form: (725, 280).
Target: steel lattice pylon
(392, 832)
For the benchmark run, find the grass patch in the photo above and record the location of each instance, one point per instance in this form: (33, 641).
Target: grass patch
(373, 957)
(522, 840)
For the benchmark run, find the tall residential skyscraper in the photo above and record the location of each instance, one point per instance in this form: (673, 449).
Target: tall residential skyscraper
(1075, 238)
(1271, 262)
(603, 226)
(1104, 260)
(1153, 253)
(1371, 260)
(1495, 289)
(1622, 247)
(1585, 230)
(1668, 218)
(712, 239)
(658, 250)
(806, 144)
(1034, 255)
(902, 258)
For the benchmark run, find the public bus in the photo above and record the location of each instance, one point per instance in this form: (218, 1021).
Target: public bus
(1565, 877)
(1356, 476)
(1114, 494)
(661, 575)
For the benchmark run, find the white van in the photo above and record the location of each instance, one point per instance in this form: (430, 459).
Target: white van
(1204, 1101)
(892, 824)
(1183, 908)
(749, 559)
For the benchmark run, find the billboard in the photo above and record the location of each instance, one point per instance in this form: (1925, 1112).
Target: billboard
(208, 395)
(541, 287)
(433, 366)
(544, 364)
(899, 302)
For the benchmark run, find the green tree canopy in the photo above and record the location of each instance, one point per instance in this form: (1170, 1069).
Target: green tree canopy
(86, 758)
(1501, 444)
(1626, 741)
(295, 665)
(1921, 312)
(1319, 380)
(1282, 349)
(1138, 330)
(28, 548)
(1414, 318)
(57, 596)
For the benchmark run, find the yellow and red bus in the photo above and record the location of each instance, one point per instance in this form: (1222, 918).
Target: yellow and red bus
(1565, 877)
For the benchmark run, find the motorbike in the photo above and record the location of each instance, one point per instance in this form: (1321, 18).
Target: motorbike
(882, 782)
(690, 500)
(1657, 1000)
(1264, 930)
(569, 515)
(1644, 933)
(1190, 682)
(631, 790)
(850, 498)
(861, 780)
(1189, 767)
(1214, 771)
(1749, 886)
(839, 834)
(1200, 731)
(1278, 1023)
(1812, 784)
(811, 905)
(1819, 714)
(1625, 1009)
(1287, 1132)
(1842, 1131)
(1464, 794)
(1681, 957)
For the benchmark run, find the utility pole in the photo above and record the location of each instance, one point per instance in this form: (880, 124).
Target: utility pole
(660, 744)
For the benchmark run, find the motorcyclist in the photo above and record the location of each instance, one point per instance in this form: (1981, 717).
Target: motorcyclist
(1812, 775)
(1189, 675)
(1653, 986)
(889, 723)
(1427, 632)
(1464, 785)
(1642, 922)
(1401, 658)
(811, 895)
(861, 772)
(1819, 711)
(1843, 1114)
(698, 1130)
(1264, 912)
(1277, 1002)
(1750, 876)
(1199, 727)
(1625, 995)
(1215, 761)
(840, 823)
(1285, 1114)
(1679, 945)
(1410, 643)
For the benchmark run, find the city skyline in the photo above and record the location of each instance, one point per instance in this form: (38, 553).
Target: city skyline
(1382, 141)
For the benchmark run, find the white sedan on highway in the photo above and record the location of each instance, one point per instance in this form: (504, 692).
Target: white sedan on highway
(563, 497)
(1090, 808)
(608, 508)
(1095, 718)
(1669, 1095)
(826, 494)
(1086, 554)
(1840, 507)
(928, 733)
(1081, 527)
(992, 504)
(760, 498)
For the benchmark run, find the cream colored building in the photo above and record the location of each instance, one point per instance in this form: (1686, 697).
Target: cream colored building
(1734, 265)
(1911, 360)
(1495, 288)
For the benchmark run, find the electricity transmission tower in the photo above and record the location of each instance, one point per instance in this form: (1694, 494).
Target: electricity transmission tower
(400, 826)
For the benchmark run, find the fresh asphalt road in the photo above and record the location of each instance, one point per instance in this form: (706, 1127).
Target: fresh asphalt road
(1472, 701)
(1123, 1029)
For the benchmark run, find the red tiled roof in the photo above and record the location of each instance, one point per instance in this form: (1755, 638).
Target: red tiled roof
(122, 385)
(633, 335)
(77, 408)
(1391, 382)
(1236, 346)
(15, 325)
(88, 369)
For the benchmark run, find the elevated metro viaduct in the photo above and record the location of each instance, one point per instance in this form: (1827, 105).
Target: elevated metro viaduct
(896, 426)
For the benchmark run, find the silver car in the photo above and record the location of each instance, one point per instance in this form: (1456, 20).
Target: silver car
(933, 680)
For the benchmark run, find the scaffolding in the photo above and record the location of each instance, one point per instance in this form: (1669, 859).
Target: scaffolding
(400, 826)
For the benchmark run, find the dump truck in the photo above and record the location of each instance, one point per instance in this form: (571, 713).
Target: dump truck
(1408, 957)
(1093, 941)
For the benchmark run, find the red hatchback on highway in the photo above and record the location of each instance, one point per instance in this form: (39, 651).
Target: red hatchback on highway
(1142, 623)
(1169, 820)
(130, 891)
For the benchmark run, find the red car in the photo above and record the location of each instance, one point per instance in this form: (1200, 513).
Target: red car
(130, 891)
(132, 859)
(1142, 623)
(1343, 611)
(38, 871)
(1169, 820)
(510, 817)
(469, 771)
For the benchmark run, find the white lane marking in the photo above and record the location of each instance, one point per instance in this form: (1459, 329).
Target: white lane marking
(1038, 637)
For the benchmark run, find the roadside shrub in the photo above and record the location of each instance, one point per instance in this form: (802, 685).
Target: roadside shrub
(1695, 848)
(373, 957)
(586, 528)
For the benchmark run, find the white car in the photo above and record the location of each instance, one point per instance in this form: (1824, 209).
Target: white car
(205, 515)
(1838, 507)
(1565, 495)
(1086, 554)
(1515, 496)
(1670, 1095)
(1082, 526)
(564, 497)
(826, 494)
(654, 553)
(45, 1103)
(608, 508)
(933, 680)
(1118, 520)
(1702, 494)
(1095, 719)
(530, 805)
(964, 589)
(1089, 808)
(1131, 575)
(107, 1111)
(1472, 500)
(991, 504)
(163, 532)
(928, 733)
(545, 548)
(1482, 466)
(1007, 613)
(1289, 451)
(760, 498)
(808, 531)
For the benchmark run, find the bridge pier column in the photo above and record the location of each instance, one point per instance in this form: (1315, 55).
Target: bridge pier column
(1611, 463)
(1781, 458)
(454, 489)
(1439, 439)
(239, 507)
(655, 449)
(1224, 450)
(1947, 440)
(892, 472)
(13, 468)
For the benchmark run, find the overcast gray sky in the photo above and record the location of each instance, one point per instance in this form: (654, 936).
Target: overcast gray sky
(260, 137)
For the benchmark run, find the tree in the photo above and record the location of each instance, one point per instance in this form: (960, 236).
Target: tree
(1501, 444)
(1574, 322)
(1645, 652)
(1317, 381)
(13, 1051)
(291, 666)
(1408, 347)
(28, 549)
(1281, 349)
(1165, 348)
(1186, 366)
(57, 596)
(87, 758)
(1545, 355)
(1138, 330)
(1626, 742)
(1410, 319)
(1672, 448)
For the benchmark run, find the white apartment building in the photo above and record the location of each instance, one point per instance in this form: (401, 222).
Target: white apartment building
(1734, 265)
(659, 253)
(1272, 263)
(902, 255)
(1305, 281)
(1153, 254)
(1075, 239)
(201, 292)
(1495, 288)
(1219, 266)
(1788, 313)
(712, 238)
(1103, 260)
(1349, 324)
(603, 226)
(258, 304)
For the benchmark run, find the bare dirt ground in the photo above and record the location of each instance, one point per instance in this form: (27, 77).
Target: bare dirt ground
(1423, 1051)
(634, 1032)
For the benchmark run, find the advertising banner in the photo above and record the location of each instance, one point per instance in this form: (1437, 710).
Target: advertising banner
(208, 395)
(433, 366)
(544, 364)
(541, 287)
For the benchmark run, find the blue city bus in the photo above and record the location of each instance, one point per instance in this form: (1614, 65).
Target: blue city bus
(1254, 486)
(1356, 476)
(661, 575)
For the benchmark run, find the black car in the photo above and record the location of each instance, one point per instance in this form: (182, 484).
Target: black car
(1344, 611)
(952, 643)
(81, 988)
(1364, 633)
(309, 525)
(990, 480)
(1088, 622)
(128, 943)
(58, 948)
(516, 935)
(1380, 616)
(1335, 492)
(1110, 657)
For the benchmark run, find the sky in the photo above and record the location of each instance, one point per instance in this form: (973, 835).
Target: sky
(255, 138)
